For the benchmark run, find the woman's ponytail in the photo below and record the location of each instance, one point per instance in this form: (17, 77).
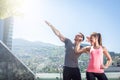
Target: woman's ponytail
(99, 39)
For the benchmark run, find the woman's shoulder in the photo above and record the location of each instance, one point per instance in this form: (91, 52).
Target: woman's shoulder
(104, 48)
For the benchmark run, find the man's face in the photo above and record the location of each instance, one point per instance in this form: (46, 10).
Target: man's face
(78, 37)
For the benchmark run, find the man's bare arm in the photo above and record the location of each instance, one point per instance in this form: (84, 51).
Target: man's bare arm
(79, 50)
(57, 32)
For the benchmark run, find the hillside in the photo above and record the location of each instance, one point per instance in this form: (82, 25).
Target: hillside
(39, 56)
(44, 57)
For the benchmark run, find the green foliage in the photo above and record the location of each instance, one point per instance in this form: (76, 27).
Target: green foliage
(44, 58)
(9, 8)
(39, 57)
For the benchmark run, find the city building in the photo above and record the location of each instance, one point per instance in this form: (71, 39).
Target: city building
(6, 29)
(11, 68)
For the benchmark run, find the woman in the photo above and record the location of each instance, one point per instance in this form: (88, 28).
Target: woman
(96, 51)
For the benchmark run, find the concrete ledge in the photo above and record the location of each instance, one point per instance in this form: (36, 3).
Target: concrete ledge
(11, 68)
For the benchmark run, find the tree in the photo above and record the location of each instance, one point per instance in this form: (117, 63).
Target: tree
(10, 8)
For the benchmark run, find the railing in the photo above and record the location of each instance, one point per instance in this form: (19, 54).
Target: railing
(57, 76)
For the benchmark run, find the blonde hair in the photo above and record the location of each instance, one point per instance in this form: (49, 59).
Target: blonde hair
(98, 35)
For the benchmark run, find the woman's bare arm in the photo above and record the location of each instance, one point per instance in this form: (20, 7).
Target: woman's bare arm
(109, 59)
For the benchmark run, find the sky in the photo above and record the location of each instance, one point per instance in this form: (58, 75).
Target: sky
(69, 17)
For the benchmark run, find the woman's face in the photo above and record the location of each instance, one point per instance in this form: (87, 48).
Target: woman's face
(92, 40)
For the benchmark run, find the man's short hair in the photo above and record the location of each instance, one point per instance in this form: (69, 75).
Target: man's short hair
(82, 35)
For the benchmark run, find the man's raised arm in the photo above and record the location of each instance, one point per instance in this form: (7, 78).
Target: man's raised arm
(79, 50)
(57, 32)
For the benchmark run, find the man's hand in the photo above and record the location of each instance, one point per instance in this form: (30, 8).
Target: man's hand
(47, 23)
(88, 39)
(56, 31)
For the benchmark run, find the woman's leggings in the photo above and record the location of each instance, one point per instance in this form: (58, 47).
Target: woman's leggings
(92, 76)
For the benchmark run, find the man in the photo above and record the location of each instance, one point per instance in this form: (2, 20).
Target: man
(70, 70)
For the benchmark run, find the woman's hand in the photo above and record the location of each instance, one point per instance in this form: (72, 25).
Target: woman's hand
(103, 67)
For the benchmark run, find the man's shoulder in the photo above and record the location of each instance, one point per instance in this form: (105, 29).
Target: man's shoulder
(67, 40)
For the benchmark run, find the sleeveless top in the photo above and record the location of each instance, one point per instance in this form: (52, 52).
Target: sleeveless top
(96, 60)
